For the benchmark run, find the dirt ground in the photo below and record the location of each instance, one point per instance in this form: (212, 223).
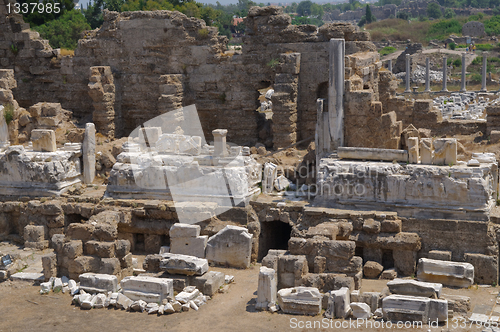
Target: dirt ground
(22, 308)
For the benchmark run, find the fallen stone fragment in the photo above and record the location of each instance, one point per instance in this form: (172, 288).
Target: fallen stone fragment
(228, 279)
(415, 288)
(139, 305)
(152, 308)
(193, 305)
(149, 289)
(169, 309)
(186, 296)
(360, 310)
(100, 300)
(300, 300)
(448, 273)
(58, 285)
(183, 264)
(89, 302)
(98, 283)
(123, 302)
(185, 307)
(177, 306)
(73, 288)
(45, 287)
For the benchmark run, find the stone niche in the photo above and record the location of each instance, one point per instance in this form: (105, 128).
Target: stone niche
(413, 190)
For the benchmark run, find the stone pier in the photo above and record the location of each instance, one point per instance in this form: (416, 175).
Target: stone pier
(336, 91)
(88, 153)
(445, 75)
(483, 72)
(408, 72)
(427, 76)
(220, 149)
(462, 85)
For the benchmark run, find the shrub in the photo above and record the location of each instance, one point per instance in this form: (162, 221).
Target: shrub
(203, 33)
(457, 63)
(484, 47)
(387, 50)
(476, 78)
(8, 112)
(453, 46)
(65, 31)
(444, 28)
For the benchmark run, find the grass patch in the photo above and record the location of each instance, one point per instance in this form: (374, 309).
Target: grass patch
(398, 30)
(8, 112)
(203, 33)
(65, 51)
(387, 50)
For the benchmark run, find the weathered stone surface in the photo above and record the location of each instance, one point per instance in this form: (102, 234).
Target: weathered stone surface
(372, 269)
(291, 269)
(188, 294)
(184, 230)
(405, 261)
(183, 264)
(339, 303)
(447, 273)
(232, 246)
(266, 293)
(443, 255)
(485, 268)
(88, 153)
(193, 246)
(415, 288)
(360, 310)
(98, 283)
(300, 300)
(123, 302)
(148, 289)
(209, 283)
(43, 140)
(414, 308)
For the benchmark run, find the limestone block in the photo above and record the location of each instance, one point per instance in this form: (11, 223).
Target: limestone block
(372, 269)
(188, 294)
(444, 272)
(98, 283)
(193, 246)
(426, 151)
(329, 230)
(271, 259)
(148, 289)
(389, 274)
(44, 140)
(150, 135)
(88, 153)
(457, 303)
(73, 249)
(49, 264)
(270, 172)
(339, 304)
(445, 151)
(138, 306)
(34, 233)
(300, 300)
(405, 261)
(184, 230)
(110, 266)
(220, 149)
(291, 269)
(281, 183)
(415, 288)
(370, 298)
(266, 293)
(231, 246)
(443, 255)
(413, 151)
(405, 308)
(485, 268)
(372, 154)
(209, 283)
(123, 302)
(183, 264)
(360, 310)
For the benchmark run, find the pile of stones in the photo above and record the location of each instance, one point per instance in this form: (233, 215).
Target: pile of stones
(418, 75)
(461, 106)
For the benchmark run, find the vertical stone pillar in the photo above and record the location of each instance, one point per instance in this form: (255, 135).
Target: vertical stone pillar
(336, 52)
(413, 150)
(266, 293)
(102, 91)
(426, 151)
(483, 76)
(462, 85)
(427, 75)
(389, 65)
(88, 153)
(322, 137)
(445, 75)
(408, 73)
(220, 149)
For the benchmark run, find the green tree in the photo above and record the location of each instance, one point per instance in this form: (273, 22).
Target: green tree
(38, 18)
(65, 31)
(93, 13)
(317, 10)
(369, 16)
(304, 8)
(449, 13)
(434, 10)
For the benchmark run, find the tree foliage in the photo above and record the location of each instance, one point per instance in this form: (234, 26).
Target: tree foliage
(36, 18)
(434, 10)
(65, 31)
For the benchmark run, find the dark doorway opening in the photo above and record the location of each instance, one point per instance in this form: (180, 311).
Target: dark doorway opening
(273, 235)
(359, 252)
(387, 259)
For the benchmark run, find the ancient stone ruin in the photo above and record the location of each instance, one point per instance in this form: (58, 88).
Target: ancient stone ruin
(184, 190)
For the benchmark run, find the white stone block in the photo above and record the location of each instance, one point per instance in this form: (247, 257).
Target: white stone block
(88, 153)
(415, 288)
(300, 300)
(266, 293)
(281, 183)
(413, 150)
(445, 151)
(152, 308)
(58, 285)
(231, 246)
(448, 273)
(414, 308)
(193, 305)
(169, 309)
(339, 303)
(148, 289)
(123, 302)
(138, 305)
(192, 246)
(45, 287)
(372, 154)
(360, 310)
(186, 296)
(89, 303)
(44, 140)
(164, 249)
(98, 283)
(100, 299)
(180, 230)
(270, 171)
(183, 264)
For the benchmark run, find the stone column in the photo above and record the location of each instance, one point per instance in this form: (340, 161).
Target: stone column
(445, 75)
(483, 76)
(88, 153)
(427, 76)
(462, 85)
(408, 73)
(389, 65)
(266, 293)
(336, 52)
(220, 149)
(322, 137)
